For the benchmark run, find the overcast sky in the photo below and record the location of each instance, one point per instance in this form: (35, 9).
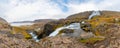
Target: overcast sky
(22, 10)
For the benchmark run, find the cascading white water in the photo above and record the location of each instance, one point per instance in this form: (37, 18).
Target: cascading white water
(94, 13)
(56, 31)
(74, 26)
(34, 36)
(71, 26)
(78, 32)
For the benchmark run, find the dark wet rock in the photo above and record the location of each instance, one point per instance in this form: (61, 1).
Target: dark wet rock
(40, 24)
(49, 28)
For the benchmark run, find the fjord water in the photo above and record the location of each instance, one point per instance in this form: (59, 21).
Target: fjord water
(20, 24)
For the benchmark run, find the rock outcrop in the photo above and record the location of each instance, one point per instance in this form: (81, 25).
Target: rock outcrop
(4, 25)
(112, 38)
(61, 42)
(12, 41)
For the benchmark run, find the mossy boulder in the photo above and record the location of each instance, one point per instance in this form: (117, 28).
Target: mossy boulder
(92, 40)
(23, 31)
(66, 31)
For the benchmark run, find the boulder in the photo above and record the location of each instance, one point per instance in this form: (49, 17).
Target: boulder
(61, 42)
(10, 41)
(4, 25)
(112, 38)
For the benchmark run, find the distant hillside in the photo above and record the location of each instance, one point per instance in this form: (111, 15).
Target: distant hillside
(79, 15)
(87, 13)
(35, 21)
(23, 22)
(43, 20)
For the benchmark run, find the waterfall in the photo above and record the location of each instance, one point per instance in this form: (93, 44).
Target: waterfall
(71, 26)
(76, 26)
(34, 36)
(94, 13)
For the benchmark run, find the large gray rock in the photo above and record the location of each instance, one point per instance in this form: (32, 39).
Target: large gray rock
(4, 25)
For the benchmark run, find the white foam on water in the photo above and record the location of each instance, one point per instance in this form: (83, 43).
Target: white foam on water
(34, 36)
